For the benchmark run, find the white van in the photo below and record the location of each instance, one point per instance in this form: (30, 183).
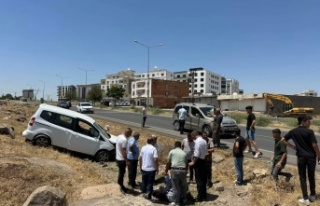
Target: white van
(51, 125)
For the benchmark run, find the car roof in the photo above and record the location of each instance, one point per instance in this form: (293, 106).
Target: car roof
(66, 112)
(194, 104)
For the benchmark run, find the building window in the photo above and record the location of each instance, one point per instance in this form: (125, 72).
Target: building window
(162, 74)
(201, 79)
(201, 85)
(201, 90)
(152, 75)
(202, 73)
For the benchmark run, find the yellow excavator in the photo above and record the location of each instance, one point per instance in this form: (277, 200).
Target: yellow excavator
(288, 109)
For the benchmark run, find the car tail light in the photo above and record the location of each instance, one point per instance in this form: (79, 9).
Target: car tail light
(32, 120)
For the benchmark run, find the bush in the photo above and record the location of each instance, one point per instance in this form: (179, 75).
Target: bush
(137, 110)
(263, 121)
(157, 111)
(238, 117)
(291, 122)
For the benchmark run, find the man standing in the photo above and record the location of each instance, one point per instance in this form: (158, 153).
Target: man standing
(238, 148)
(149, 167)
(218, 117)
(121, 157)
(177, 162)
(133, 156)
(199, 163)
(188, 148)
(250, 131)
(279, 158)
(307, 151)
(144, 116)
(208, 158)
(182, 115)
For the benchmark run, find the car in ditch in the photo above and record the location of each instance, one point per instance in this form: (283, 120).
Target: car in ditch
(67, 129)
(200, 119)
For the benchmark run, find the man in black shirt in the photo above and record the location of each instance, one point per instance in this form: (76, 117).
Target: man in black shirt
(250, 130)
(307, 151)
(279, 158)
(238, 147)
(218, 117)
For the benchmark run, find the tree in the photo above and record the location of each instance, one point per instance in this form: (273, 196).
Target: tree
(95, 94)
(116, 92)
(71, 95)
(7, 96)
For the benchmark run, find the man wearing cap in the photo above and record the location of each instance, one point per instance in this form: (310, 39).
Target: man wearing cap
(121, 157)
(250, 131)
(307, 152)
(177, 163)
(199, 163)
(133, 156)
(149, 166)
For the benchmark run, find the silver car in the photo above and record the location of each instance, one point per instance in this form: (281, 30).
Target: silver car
(200, 119)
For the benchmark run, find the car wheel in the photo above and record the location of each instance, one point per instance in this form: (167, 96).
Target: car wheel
(176, 125)
(207, 129)
(102, 156)
(42, 141)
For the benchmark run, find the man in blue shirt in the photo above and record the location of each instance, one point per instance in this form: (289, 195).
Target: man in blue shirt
(133, 156)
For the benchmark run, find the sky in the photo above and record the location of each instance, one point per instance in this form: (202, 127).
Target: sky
(267, 45)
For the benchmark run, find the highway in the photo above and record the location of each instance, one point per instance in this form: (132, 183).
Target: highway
(163, 125)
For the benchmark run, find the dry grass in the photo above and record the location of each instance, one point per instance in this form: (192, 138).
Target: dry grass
(19, 178)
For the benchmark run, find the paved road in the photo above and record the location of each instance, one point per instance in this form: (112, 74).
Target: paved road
(163, 125)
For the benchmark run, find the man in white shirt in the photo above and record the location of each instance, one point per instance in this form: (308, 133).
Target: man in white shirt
(121, 157)
(182, 115)
(149, 167)
(188, 147)
(199, 163)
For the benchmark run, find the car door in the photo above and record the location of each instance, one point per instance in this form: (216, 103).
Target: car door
(195, 118)
(61, 128)
(85, 138)
(188, 119)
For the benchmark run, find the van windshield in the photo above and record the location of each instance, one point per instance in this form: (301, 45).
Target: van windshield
(101, 130)
(207, 111)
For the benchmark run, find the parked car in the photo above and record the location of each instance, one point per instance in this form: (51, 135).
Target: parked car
(51, 125)
(200, 118)
(85, 107)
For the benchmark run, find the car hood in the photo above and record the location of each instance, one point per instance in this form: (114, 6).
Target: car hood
(86, 107)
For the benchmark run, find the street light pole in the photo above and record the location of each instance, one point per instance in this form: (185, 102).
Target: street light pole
(148, 64)
(86, 71)
(44, 87)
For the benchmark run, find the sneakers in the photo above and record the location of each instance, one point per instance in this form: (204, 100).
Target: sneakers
(312, 198)
(288, 178)
(248, 151)
(257, 155)
(306, 202)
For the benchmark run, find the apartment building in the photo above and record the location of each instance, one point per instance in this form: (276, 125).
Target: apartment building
(123, 78)
(82, 91)
(204, 82)
(155, 74)
(65, 91)
(181, 76)
(229, 86)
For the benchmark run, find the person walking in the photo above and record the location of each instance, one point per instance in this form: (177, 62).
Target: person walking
(238, 148)
(133, 157)
(144, 116)
(187, 146)
(149, 167)
(217, 120)
(250, 131)
(208, 158)
(199, 163)
(182, 115)
(279, 158)
(121, 157)
(177, 162)
(307, 151)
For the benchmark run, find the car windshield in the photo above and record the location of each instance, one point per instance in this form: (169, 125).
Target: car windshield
(207, 110)
(85, 104)
(101, 130)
